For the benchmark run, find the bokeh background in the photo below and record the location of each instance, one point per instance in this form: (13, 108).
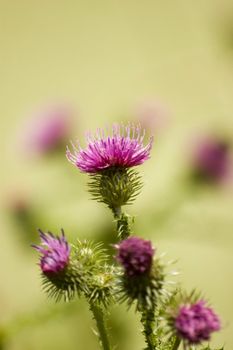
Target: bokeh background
(165, 63)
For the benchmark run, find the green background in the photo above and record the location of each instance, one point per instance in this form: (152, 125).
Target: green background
(103, 57)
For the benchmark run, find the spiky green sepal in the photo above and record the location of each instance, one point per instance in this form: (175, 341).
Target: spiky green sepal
(115, 186)
(63, 285)
(87, 265)
(173, 302)
(99, 278)
(102, 286)
(144, 289)
(88, 255)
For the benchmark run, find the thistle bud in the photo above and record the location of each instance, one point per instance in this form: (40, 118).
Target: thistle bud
(196, 322)
(143, 275)
(190, 319)
(60, 276)
(136, 256)
(99, 277)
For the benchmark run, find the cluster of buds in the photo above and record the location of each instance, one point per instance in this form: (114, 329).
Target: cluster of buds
(84, 268)
(73, 270)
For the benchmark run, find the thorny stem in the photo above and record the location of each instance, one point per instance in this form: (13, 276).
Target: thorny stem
(176, 344)
(148, 322)
(117, 212)
(100, 323)
(123, 224)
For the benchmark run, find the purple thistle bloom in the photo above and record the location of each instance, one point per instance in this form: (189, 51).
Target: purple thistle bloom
(54, 251)
(196, 322)
(136, 255)
(211, 158)
(123, 149)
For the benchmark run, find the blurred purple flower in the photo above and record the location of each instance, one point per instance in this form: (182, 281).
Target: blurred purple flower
(54, 251)
(210, 159)
(152, 115)
(123, 149)
(135, 255)
(48, 130)
(196, 322)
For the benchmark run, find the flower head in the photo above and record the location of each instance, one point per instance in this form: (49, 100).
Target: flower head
(135, 255)
(124, 149)
(211, 159)
(54, 251)
(195, 322)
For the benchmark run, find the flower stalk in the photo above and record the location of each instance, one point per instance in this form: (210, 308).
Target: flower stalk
(176, 343)
(148, 322)
(98, 315)
(123, 224)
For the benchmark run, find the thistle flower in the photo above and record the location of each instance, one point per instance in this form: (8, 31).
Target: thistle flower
(210, 159)
(195, 322)
(123, 149)
(54, 251)
(135, 255)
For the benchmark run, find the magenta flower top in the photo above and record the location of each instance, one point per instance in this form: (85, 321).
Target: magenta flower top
(54, 251)
(196, 322)
(135, 255)
(124, 148)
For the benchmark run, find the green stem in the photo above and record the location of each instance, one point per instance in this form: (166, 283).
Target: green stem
(100, 323)
(176, 344)
(123, 223)
(117, 212)
(148, 322)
